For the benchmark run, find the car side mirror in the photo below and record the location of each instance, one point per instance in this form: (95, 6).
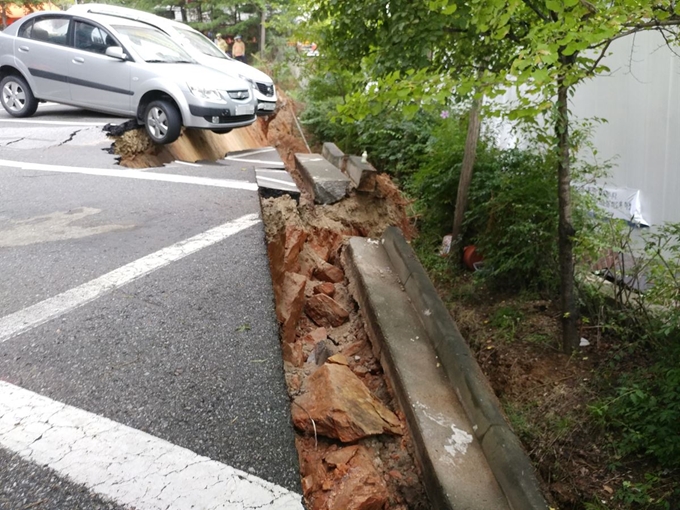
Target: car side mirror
(116, 52)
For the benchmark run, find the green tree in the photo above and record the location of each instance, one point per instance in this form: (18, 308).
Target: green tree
(561, 43)
(413, 54)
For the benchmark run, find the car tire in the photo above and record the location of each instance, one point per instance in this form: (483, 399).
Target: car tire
(17, 97)
(162, 121)
(221, 131)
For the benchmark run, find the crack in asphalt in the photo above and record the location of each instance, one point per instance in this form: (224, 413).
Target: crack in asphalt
(14, 141)
(70, 138)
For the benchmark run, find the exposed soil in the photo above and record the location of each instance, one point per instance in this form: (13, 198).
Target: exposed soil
(394, 480)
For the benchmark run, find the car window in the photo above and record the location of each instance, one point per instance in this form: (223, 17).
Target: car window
(92, 38)
(200, 43)
(51, 30)
(152, 44)
(25, 30)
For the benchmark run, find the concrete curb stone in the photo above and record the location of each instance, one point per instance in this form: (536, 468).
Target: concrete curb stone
(324, 181)
(504, 453)
(455, 470)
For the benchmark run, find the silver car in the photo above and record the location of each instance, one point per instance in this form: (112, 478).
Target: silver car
(202, 49)
(117, 66)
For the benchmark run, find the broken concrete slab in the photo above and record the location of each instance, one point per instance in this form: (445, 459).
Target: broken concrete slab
(333, 154)
(362, 173)
(274, 183)
(324, 181)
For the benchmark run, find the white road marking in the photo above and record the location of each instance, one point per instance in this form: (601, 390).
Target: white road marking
(54, 122)
(132, 174)
(39, 313)
(131, 467)
(261, 161)
(255, 151)
(278, 181)
(186, 163)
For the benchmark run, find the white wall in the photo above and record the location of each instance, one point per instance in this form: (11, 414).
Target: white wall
(641, 101)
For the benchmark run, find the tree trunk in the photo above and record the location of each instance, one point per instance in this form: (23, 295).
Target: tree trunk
(262, 30)
(570, 337)
(469, 156)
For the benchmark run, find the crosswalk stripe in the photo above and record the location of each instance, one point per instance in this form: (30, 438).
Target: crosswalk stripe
(129, 466)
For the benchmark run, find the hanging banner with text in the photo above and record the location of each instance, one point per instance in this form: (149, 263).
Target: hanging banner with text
(621, 203)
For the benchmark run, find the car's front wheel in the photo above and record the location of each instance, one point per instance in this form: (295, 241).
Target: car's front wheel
(17, 97)
(162, 121)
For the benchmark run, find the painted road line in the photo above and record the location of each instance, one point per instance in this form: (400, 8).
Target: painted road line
(255, 151)
(39, 313)
(261, 161)
(186, 163)
(132, 174)
(54, 122)
(129, 466)
(277, 181)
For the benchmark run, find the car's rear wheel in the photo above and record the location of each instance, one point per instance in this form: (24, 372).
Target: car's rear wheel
(17, 97)
(162, 121)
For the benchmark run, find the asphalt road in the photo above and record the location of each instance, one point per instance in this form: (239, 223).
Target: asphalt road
(140, 364)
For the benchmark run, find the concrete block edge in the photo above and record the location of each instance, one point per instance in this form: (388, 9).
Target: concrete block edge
(511, 466)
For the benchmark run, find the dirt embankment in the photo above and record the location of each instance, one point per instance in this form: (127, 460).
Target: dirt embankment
(136, 150)
(354, 447)
(352, 457)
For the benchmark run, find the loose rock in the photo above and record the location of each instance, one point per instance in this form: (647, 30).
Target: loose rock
(362, 488)
(325, 288)
(325, 311)
(342, 407)
(328, 273)
(289, 303)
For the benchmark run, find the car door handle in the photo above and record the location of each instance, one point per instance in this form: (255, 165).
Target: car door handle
(23, 49)
(78, 60)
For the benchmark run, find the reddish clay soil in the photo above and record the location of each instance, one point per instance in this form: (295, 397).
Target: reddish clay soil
(305, 242)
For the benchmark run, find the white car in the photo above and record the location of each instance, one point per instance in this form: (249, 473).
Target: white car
(199, 47)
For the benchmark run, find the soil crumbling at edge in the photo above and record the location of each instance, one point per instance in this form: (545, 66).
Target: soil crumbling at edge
(369, 467)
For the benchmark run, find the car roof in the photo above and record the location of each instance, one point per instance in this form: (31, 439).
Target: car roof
(104, 20)
(115, 11)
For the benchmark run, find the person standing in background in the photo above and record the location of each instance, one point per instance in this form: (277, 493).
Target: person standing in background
(222, 44)
(238, 51)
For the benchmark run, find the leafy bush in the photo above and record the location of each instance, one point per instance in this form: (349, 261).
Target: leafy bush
(435, 183)
(513, 217)
(645, 412)
(394, 143)
(512, 206)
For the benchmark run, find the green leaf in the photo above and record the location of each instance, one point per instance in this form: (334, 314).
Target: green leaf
(410, 110)
(553, 5)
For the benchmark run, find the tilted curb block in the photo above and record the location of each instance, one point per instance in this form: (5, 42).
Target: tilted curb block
(332, 153)
(455, 470)
(363, 174)
(505, 455)
(323, 180)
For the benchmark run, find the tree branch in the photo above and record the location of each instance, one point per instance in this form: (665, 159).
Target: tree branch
(599, 58)
(531, 6)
